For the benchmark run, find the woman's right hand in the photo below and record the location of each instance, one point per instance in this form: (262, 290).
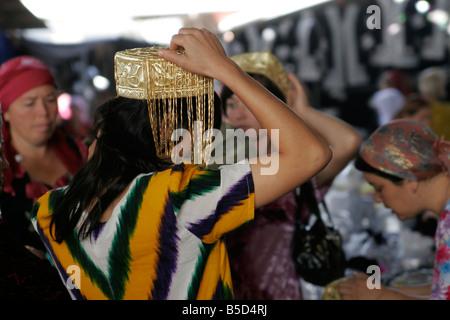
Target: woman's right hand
(203, 52)
(355, 288)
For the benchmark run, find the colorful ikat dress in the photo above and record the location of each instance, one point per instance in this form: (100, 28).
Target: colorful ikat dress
(164, 239)
(441, 279)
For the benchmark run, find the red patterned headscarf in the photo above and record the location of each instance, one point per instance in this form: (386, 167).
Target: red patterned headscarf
(407, 149)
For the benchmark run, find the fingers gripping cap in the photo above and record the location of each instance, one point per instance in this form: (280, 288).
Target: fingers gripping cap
(140, 73)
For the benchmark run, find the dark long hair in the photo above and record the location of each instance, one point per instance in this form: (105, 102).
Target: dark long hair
(124, 149)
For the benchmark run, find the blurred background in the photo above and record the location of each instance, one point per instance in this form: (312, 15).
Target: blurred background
(338, 48)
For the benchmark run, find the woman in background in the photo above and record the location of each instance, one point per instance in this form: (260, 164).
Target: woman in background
(40, 158)
(415, 108)
(409, 168)
(260, 253)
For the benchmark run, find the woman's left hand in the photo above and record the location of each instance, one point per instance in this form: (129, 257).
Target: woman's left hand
(297, 98)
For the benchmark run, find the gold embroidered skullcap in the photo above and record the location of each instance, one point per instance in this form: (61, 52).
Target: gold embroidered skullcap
(140, 73)
(266, 64)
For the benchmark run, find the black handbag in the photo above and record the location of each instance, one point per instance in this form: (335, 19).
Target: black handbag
(317, 250)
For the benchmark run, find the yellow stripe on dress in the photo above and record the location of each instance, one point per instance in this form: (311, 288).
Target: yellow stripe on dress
(217, 268)
(62, 253)
(234, 218)
(144, 242)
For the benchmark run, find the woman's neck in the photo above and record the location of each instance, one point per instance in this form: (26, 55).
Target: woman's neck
(29, 150)
(442, 185)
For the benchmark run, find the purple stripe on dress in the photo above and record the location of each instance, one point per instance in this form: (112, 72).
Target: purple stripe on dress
(168, 253)
(96, 232)
(233, 198)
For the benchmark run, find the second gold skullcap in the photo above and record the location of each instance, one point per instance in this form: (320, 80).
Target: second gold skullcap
(266, 64)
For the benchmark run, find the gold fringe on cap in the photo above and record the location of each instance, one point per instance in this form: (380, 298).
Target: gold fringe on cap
(141, 74)
(266, 64)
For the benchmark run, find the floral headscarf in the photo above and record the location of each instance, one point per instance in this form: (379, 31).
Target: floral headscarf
(407, 149)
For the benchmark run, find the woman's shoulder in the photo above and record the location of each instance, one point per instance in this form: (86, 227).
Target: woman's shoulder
(178, 176)
(48, 200)
(53, 194)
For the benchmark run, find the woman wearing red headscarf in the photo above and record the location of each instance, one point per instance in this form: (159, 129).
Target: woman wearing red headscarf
(409, 168)
(40, 157)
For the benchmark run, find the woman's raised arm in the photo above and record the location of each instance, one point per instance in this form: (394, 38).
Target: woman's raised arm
(301, 153)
